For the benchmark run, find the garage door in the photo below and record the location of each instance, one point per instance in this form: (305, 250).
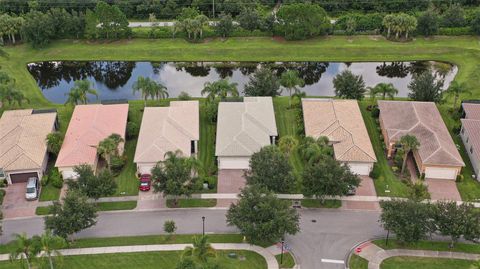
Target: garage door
(362, 169)
(145, 168)
(67, 173)
(233, 163)
(22, 177)
(441, 173)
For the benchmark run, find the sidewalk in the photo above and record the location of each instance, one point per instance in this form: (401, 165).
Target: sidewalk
(375, 254)
(269, 257)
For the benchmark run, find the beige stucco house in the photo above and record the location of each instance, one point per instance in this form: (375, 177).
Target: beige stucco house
(167, 129)
(437, 156)
(243, 128)
(470, 134)
(23, 147)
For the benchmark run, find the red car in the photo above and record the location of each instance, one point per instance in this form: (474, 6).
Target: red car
(145, 182)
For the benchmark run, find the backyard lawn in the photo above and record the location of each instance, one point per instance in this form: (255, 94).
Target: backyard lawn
(425, 263)
(157, 260)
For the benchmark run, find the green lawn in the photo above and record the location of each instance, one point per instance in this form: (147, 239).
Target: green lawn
(49, 193)
(206, 145)
(315, 203)
(182, 203)
(425, 263)
(387, 177)
(140, 240)
(102, 206)
(285, 117)
(357, 262)
(157, 260)
(430, 245)
(288, 260)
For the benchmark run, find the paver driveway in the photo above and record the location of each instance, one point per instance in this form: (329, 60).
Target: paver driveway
(14, 204)
(229, 181)
(366, 188)
(443, 189)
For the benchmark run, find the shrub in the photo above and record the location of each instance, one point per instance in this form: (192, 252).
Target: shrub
(454, 31)
(132, 129)
(375, 173)
(117, 163)
(44, 180)
(459, 178)
(371, 22)
(55, 178)
(184, 96)
(375, 112)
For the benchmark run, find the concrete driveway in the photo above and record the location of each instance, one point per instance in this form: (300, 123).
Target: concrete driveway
(366, 188)
(14, 204)
(229, 181)
(443, 189)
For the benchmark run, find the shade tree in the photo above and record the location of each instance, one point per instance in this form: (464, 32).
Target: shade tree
(425, 87)
(263, 82)
(349, 86)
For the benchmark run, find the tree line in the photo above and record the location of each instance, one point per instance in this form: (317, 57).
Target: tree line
(169, 9)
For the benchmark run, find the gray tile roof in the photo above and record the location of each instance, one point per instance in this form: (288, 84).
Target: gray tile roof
(244, 127)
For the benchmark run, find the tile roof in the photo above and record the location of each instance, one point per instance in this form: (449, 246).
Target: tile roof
(22, 139)
(243, 128)
(423, 120)
(167, 129)
(89, 125)
(341, 121)
(472, 111)
(472, 129)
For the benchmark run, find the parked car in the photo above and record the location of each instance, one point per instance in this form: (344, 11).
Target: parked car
(145, 182)
(33, 189)
(352, 190)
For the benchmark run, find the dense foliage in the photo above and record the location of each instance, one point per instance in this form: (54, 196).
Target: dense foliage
(302, 21)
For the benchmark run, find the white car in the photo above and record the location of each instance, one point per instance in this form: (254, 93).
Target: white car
(33, 189)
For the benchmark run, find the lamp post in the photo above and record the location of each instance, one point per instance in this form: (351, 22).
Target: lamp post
(281, 256)
(203, 225)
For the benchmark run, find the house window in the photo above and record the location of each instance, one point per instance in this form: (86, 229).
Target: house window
(471, 149)
(2, 174)
(463, 130)
(192, 147)
(466, 140)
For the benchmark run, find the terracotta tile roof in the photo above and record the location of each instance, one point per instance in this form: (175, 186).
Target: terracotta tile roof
(22, 139)
(243, 128)
(89, 125)
(341, 121)
(472, 111)
(167, 129)
(423, 120)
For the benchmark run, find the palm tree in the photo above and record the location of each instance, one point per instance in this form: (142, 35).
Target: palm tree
(74, 97)
(54, 142)
(201, 249)
(84, 88)
(203, 21)
(25, 249)
(144, 86)
(10, 94)
(456, 89)
(178, 26)
(49, 245)
(221, 88)
(388, 23)
(372, 92)
(290, 80)
(386, 89)
(159, 91)
(106, 149)
(287, 144)
(408, 143)
(313, 150)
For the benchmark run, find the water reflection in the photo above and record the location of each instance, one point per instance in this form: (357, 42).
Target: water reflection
(114, 79)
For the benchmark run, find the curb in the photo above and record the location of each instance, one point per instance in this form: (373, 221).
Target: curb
(350, 253)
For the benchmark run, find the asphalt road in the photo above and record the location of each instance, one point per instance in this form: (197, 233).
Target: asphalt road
(326, 235)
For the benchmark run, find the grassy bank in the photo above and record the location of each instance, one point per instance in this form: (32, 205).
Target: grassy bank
(157, 260)
(430, 245)
(425, 263)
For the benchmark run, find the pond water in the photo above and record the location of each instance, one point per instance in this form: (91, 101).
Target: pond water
(113, 80)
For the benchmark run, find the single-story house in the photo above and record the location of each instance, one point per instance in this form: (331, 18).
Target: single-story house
(437, 157)
(167, 129)
(342, 123)
(470, 134)
(243, 128)
(89, 125)
(23, 146)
